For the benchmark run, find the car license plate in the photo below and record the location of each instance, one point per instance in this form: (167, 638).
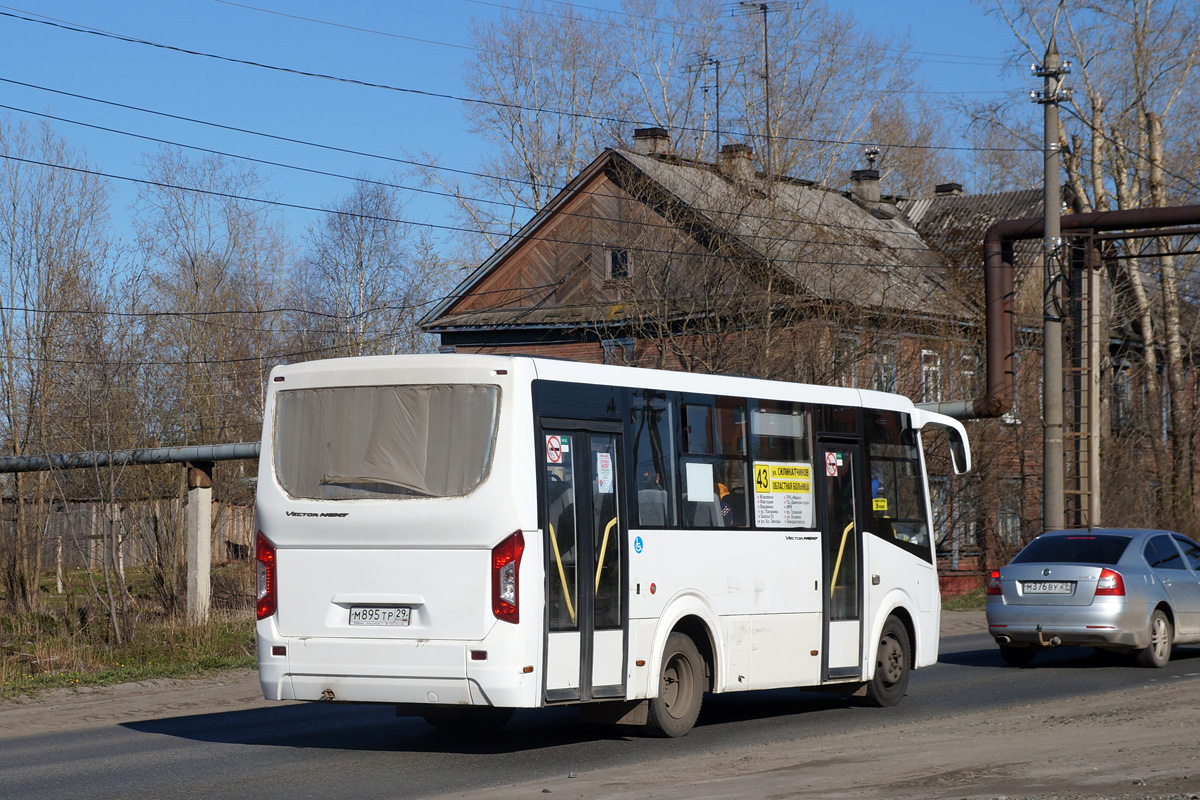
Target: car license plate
(1048, 587)
(396, 616)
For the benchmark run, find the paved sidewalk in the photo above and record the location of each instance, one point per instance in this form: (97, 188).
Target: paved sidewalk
(956, 623)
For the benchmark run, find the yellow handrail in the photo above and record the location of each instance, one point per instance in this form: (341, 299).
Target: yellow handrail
(603, 547)
(837, 567)
(562, 575)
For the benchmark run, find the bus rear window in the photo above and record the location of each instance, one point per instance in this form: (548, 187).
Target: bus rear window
(398, 442)
(1083, 549)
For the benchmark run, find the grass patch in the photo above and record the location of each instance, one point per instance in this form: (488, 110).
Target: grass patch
(69, 642)
(974, 600)
(33, 659)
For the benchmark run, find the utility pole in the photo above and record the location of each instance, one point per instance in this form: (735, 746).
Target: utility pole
(764, 8)
(1053, 494)
(703, 62)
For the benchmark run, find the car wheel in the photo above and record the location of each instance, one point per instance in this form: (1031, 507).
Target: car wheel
(892, 660)
(680, 689)
(1017, 656)
(1161, 634)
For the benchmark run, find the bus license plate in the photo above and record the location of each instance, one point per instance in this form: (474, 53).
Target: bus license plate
(1048, 587)
(396, 616)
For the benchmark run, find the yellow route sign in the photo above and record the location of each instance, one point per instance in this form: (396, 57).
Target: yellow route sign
(783, 495)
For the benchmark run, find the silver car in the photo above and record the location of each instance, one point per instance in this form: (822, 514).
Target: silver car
(1123, 590)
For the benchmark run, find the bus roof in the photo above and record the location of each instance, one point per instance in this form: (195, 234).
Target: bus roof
(374, 369)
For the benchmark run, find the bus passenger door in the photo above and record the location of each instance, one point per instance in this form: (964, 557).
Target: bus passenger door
(585, 592)
(839, 466)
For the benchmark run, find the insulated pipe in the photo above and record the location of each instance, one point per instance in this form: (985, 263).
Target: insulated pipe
(118, 458)
(1000, 319)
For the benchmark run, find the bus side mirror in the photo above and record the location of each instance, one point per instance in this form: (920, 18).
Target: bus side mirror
(956, 435)
(960, 457)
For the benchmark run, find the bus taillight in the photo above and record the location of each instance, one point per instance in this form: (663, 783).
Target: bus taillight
(506, 565)
(264, 555)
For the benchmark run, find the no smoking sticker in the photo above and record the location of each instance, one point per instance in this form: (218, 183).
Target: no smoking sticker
(554, 450)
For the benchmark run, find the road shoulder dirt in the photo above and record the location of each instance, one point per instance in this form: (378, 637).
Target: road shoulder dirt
(1135, 743)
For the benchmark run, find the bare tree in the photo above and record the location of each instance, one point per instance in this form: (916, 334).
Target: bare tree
(104, 400)
(53, 239)
(555, 87)
(1134, 69)
(215, 256)
(368, 274)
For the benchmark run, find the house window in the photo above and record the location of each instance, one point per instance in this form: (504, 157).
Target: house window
(845, 361)
(1120, 396)
(883, 367)
(618, 264)
(955, 528)
(618, 351)
(1008, 517)
(968, 367)
(1013, 415)
(931, 377)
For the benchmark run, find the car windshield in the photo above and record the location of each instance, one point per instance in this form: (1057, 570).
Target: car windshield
(1074, 549)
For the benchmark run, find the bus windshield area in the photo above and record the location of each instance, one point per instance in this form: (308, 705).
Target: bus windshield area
(393, 442)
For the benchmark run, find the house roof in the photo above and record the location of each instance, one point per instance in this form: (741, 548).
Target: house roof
(953, 225)
(885, 257)
(822, 240)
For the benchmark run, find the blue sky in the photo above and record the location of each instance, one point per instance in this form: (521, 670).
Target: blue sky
(419, 47)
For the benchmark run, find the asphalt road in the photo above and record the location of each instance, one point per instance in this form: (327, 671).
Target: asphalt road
(317, 750)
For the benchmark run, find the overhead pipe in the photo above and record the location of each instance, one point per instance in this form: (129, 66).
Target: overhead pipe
(187, 454)
(1000, 329)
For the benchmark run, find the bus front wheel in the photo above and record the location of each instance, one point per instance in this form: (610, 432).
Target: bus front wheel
(893, 656)
(680, 689)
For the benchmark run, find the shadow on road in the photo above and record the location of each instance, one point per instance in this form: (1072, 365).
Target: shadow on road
(1057, 658)
(349, 727)
(366, 728)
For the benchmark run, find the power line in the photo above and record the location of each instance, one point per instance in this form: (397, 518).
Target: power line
(248, 131)
(478, 175)
(445, 96)
(951, 58)
(433, 226)
(357, 29)
(368, 181)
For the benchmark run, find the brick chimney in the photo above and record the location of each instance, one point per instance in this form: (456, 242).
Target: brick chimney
(864, 187)
(651, 142)
(948, 190)
(737, 161)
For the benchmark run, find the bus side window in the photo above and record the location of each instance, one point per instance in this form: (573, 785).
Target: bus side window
(897, 509)
(653, 435)
(701, 495)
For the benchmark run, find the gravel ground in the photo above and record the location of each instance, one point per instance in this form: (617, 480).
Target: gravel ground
(1137, 744)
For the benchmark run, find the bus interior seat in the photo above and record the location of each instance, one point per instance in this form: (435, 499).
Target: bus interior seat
(652, 507)
(737, 501)
(703, 515)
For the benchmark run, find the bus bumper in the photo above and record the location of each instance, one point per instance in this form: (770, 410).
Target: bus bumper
(392, 671)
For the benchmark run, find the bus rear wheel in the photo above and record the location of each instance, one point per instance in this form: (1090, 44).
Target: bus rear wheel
(893, 657)
(680, 689)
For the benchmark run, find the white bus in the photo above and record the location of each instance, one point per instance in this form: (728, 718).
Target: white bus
(465, 535)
